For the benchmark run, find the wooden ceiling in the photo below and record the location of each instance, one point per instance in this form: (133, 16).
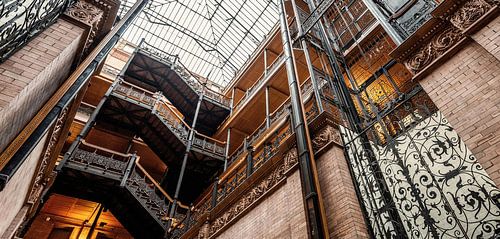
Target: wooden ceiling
(70, 211)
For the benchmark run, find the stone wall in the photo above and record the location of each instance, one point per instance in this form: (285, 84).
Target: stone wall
(466, 90)
(30, 76)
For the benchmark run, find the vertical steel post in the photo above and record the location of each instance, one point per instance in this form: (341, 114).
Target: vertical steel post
(130, 165)
(232, 101)
(214, 192)
(184, 162)
(310, 66)
(249, 159)
(316, 221)
(268, 120)
(228, 139)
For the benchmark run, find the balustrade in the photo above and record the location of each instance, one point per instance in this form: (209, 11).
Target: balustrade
(267, 149)
(127, 169)
(164, 111)
(258, 84)
(21, 20)
(185, 74)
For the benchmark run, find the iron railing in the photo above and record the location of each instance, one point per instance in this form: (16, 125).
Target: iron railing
(21, 20)
(249, 93)
(158, 105)
(268, 147)
(186, 75)
(126, 168)
(277, 115)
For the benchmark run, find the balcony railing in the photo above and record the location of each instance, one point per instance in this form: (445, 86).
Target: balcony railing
(159, 106)
(277, 139)
(126, 168)
(21, 20)
(259, 83)
(184, 73)
(278, 114)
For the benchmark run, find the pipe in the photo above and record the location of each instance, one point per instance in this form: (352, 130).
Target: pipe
(316, 221)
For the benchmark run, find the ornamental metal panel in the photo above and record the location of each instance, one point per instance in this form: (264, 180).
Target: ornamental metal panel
(438, 187)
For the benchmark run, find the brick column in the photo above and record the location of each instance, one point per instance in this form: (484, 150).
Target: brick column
(344, 215)
(466, 89)
(30, 76)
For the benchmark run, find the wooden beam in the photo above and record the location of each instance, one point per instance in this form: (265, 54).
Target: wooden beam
(279, 91)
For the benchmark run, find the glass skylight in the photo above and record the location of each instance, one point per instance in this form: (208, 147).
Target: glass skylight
(213, 38)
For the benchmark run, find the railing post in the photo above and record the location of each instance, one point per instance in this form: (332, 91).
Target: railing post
(232, 101)
(157, 97)
(214, 192)
(130, 165)
(249, 160)
(268, 120)
(227, 147)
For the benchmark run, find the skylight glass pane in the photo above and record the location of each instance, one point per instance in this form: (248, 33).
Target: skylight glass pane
(213, 38)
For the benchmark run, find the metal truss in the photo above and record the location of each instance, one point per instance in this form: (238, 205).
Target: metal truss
(213, 38)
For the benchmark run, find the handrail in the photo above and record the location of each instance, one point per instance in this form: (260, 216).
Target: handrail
(157, 185)
(279, 108)
(123, 81)
(161, 101)
(137, 163)
(260, 80)
(82, 141)
(201, 87)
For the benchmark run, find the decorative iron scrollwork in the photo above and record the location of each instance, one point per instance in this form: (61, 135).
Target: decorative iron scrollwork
(21, 20)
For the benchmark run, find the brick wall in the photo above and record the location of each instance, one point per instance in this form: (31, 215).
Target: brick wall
(280, 215)
(489, 38)
(344, 216)
(466, 89)
(30, 76)
(13, 195)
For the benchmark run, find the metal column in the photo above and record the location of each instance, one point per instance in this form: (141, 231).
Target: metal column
(184, 162)
(310, 66)
(268, 120)
(227, 147)
(86, 128)
(316, 221)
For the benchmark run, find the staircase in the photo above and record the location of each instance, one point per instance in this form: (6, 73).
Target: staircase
(123, 186)
(155, 70)
(150, 116)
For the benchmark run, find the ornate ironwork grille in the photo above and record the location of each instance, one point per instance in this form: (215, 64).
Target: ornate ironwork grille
(415, 176)
(349, 19)
(21, 20)
(406, 16)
